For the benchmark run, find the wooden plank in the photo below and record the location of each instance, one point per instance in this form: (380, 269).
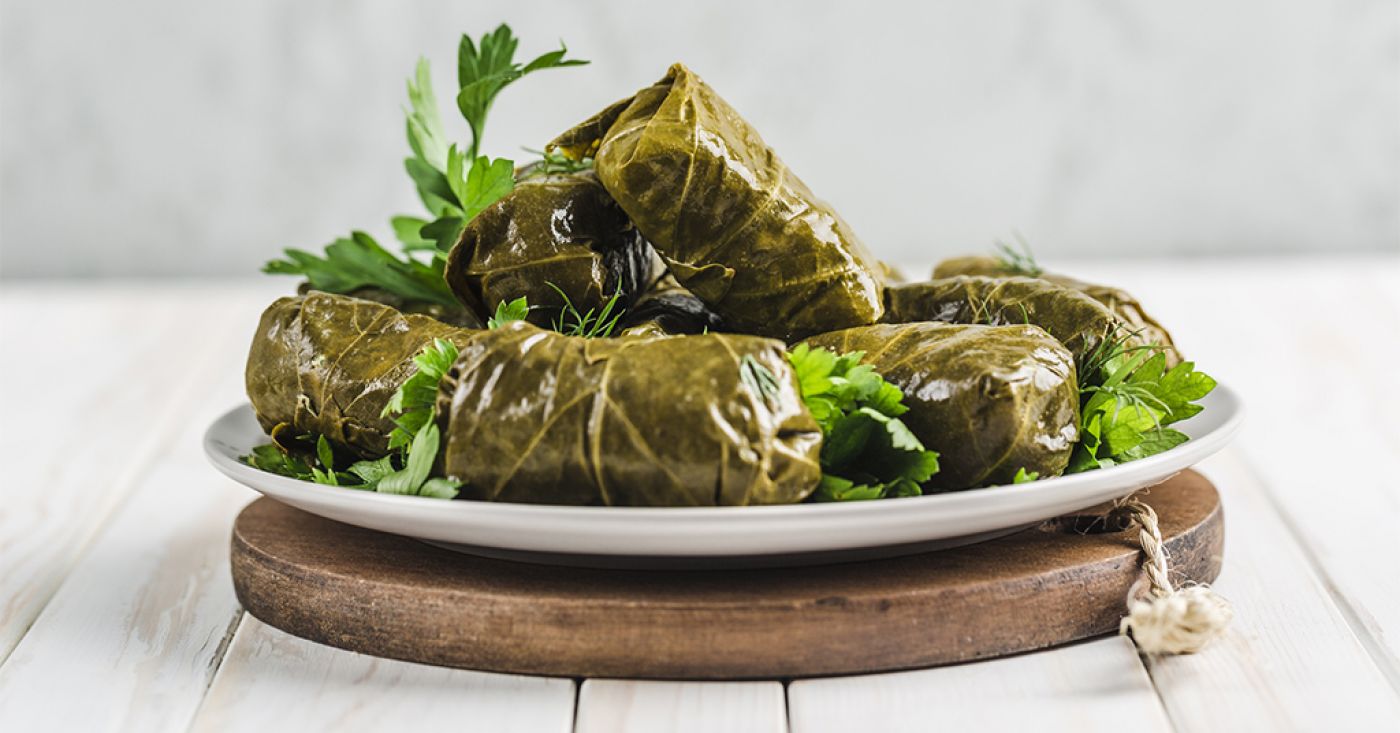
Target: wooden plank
(1311, 345)
(141, 622)
(1291, 661)
(81, 384)
(636, 706)
(1094, 686)
(273, 681)
(107, 374)
(396, 597)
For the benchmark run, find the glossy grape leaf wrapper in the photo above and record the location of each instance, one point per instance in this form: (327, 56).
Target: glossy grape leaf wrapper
(735, 226)
(538, 417)
(666, 308)
(990, 400)
(1076, 320)
(328, 364)
(563, 230)
(1120, 301)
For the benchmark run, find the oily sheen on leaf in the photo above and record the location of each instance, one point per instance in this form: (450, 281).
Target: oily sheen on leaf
(734, 224)
(1076, 320)
(990, 400)
(535, 416)
(328, 364)
(1118, 300)
(559, 230)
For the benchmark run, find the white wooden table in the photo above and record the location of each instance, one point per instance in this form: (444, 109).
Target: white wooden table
(117, 612)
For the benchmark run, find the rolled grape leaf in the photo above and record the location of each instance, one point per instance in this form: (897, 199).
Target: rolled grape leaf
(1075, 319)
(991, 400)
(535, 416)
(555, 231)
(669, 309)
(328, 364)
(735, 226)
(1120, 301)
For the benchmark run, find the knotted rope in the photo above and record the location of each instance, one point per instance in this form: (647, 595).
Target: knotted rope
(1165, 619)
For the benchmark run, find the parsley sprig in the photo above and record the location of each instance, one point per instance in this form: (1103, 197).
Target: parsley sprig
(455, 183)
(509, 310)
(867, 451)
(1128, 397)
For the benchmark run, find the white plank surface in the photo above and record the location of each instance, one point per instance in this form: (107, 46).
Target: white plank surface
(1094, 686)
(89, 409)
(1313, 347)
(273, 681)
(124, 578)
(140, 623)
(643, 706)
(1290, 661)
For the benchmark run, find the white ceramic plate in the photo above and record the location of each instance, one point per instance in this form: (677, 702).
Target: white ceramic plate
(709, 536)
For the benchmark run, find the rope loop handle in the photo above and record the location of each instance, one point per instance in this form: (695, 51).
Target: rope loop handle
(1163, 619)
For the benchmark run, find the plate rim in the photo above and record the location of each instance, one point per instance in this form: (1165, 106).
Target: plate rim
(1205, 445)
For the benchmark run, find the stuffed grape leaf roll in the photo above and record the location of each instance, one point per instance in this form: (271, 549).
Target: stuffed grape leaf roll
(991, 400)
(1079, 322)
(1120, 301)
(551, 231)
(735, 226)
(327, 364)
(535, 416)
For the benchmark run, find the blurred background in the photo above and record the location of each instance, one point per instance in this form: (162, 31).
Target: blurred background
(154, 137)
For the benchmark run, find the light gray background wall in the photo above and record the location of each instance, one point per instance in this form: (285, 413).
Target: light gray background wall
(164, 137)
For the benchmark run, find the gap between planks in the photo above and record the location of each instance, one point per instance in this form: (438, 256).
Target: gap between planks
(56, 513)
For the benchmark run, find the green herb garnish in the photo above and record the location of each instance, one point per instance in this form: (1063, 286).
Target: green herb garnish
(594, 323)
(507, 311)
(867, 451)
(1018, 260)
(555, 163)
(359, 262)
(455, 183)
(487, 67)
(1127, 398)
(416, 398)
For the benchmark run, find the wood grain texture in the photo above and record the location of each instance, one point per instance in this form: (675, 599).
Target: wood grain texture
(272, 681)
(87, 355)
(133, 635)
(395, 597)
(1320, 436)
(643, 706)
(1082, 688)
(1291, 661)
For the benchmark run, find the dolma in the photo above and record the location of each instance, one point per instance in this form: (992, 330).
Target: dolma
(1076, 320)
(669, 309)
(552, 231)
(1117, 300)
(328, 364)
(735, 226)
(989, 399)
(535, 416)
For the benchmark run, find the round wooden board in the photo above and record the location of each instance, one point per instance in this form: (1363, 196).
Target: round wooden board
(396, 597)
